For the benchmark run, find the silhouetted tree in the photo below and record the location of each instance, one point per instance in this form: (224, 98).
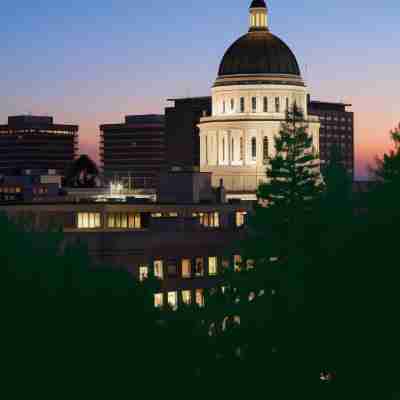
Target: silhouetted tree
(74, 327)
(82, 172)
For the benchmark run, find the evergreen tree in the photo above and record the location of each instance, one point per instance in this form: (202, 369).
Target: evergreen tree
(262, 302)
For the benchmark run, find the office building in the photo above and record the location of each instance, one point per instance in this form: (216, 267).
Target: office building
(337, 130)
(30, 142)
(133, 153)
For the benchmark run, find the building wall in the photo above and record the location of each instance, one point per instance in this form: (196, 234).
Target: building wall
(337, 129)
(237, 141)
(29, 142)
(167, 233)
(182, 133)
(134, 152)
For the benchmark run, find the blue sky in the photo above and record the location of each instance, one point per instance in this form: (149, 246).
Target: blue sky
(91, 62)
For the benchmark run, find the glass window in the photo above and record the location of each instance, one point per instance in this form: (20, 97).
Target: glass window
(225, 263)
(143, 272)
(277, 105)
(186, 297)
(254, 104)
(265, 149)
(212, 266)
(173, 300)
(89, 220)
(200, 297)
(242, 104)
(240, 218)
(186, 268)
(123, 221)
(237, 261)
(254, 148)
(172, 269)
(265, 104)
(158, 300)
(241, 149)
(209, 220)
(111, 220)
(232, 104)
(199, 266)
(158, 269)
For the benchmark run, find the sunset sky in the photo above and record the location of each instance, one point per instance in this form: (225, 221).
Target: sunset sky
(92, 62)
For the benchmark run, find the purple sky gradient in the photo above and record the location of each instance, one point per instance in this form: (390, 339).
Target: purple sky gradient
(91, 62)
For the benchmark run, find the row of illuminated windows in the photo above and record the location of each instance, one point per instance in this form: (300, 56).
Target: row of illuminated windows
(174, 298)
(186, 268)
(263, 104)
(6, 189)
(118, 220)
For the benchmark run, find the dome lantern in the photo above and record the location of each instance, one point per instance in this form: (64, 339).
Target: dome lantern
(258, 16)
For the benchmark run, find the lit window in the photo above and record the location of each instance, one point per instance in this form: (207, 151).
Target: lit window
(186, 297)
(186, 268)
(158, 300)
(242, 104)
(173, 214)
(199, 266)
(156, 215)
(158, 269)
(237, 262)
(143, 272)
(173, 300)
(254, 148)
(89, 220)
(277, 105)
(254, 104)
(265, 149)
(240, 218)
(265, 108)
(209, 220)
(123, 221)
(200, 297)
(212, 266)
(250, 264)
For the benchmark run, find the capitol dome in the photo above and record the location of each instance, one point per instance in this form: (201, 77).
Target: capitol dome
(259, 55)
(259, 52)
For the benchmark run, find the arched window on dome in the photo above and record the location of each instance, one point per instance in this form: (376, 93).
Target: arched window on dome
(265, 149)
(254, 148)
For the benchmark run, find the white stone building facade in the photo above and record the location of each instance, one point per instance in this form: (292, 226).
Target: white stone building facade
(258, 81)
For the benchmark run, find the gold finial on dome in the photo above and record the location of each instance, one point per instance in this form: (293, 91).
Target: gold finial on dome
(258, 16)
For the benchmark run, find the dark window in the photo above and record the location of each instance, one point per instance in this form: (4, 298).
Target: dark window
(265, 149)
(254, 104)
(265, 104)
(242, 104)
(254, 148)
